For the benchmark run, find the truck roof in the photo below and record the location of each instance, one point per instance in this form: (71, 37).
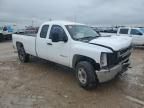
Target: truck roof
(63, 23)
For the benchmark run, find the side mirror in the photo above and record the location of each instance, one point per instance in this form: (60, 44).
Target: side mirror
(55, 37)
(140, 33)
(65, 39)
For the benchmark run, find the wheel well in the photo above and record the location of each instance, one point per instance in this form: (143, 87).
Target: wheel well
(78, 58)
(19, 45)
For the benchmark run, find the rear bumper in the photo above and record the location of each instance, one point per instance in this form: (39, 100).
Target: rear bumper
(105, 75)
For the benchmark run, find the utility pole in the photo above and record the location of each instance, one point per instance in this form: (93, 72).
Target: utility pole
(32, 23)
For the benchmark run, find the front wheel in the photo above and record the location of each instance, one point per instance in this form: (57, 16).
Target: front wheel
(86, 75)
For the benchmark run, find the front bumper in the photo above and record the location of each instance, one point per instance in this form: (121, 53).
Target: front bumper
(105, 75)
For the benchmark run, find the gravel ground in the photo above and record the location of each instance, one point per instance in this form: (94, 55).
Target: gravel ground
(42, 84)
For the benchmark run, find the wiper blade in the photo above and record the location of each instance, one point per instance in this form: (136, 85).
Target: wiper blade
(89, 37)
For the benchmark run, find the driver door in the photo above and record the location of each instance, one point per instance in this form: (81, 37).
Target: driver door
(59, 51)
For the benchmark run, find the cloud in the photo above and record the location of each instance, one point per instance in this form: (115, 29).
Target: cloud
(88, 11)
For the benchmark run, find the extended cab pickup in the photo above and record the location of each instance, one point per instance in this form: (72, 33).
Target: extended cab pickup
(137, 34)
(94, 58)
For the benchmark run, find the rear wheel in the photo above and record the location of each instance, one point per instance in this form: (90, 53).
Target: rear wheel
(86, 76)
(23, 56)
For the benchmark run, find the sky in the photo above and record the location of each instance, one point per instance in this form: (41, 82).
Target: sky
(91, 12)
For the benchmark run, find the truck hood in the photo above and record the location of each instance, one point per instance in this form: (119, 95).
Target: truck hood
(114, 42)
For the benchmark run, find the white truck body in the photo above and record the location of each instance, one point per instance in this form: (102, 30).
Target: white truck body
(65, 52)
(137, 34)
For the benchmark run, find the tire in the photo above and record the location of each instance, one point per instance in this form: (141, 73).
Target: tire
(23, 56)
(86, 76)
(1, 37)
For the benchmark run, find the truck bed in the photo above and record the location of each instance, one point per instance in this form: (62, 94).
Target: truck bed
(28, 41)
(27, 34)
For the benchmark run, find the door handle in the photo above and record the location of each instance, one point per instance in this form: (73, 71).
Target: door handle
(49, 43)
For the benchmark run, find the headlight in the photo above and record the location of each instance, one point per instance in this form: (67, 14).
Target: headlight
(103, 60)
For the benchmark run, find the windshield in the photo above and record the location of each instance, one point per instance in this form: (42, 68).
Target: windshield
(142, 29)
(81, 32)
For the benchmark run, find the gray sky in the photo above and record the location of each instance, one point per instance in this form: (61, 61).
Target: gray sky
(85, 11)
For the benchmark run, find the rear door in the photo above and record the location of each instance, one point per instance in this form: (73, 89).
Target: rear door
(41, 43)
(138, 37)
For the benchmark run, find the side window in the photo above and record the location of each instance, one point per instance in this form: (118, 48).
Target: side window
(56, 29)
(44, 31)
(123, 31)
(135, 32)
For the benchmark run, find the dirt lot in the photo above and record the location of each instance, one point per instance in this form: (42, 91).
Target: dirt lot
(41, 84)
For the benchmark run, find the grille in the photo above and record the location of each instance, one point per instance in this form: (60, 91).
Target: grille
(124, 54)
(124, 51)
(118, 57)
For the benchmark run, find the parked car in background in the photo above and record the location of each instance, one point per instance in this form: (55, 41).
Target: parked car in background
(7, 32)
(1, 35)
(18, 29)
(94, 58)
(137, 34)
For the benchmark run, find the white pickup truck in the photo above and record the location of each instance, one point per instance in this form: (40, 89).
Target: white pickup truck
(137, 34)
(95, 59)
